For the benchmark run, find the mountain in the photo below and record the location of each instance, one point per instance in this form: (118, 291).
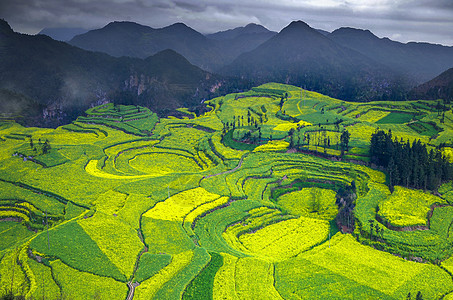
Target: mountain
(250, 29)
(440, 87)
(209, 52)
(239, 40)
(66, 80)
(135, 40)
(418, 62)
(301, 55)
(62, 34)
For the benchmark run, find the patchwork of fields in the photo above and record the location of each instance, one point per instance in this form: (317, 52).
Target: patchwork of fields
(239, 203)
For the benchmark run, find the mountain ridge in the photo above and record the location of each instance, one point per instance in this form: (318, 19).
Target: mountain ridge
(293, 57)
(417, 61)
(142, 41)
(236, 32)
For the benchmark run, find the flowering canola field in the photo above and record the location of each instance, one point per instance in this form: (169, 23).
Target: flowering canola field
(126, 204)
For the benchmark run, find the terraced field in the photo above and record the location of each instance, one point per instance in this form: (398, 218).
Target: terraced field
(242, 202)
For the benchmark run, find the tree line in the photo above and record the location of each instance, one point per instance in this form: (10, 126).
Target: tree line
(409, 165)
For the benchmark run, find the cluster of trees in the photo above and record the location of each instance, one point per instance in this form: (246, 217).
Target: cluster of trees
(315, 137)
(43, 146)
(239, 121)
(345, 199)
(410, 165)
(320, 138)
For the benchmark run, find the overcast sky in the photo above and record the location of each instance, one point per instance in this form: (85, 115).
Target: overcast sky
(402, 20)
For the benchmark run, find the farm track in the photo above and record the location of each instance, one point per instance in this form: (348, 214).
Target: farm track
(132, 285)
(229, 171)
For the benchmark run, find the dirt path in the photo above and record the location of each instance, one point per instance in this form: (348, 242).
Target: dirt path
(132, 285)
(229, 171)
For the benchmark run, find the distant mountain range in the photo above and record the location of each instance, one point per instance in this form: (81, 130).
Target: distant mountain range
(348, 63)
(65, 80)
(418, 62)
(208, 52)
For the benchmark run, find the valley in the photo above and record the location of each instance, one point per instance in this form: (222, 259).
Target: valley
(271, 194)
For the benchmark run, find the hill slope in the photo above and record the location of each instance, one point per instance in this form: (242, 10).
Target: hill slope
(440, 87)
(67, 80)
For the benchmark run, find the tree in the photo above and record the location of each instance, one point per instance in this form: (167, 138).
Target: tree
(378, 230)
(324, 140)
(419, 296)
(46, 147)
(409, 164)
(393, 176)
(371, 228)
(314, 204)
(337, 125)
(344, 141)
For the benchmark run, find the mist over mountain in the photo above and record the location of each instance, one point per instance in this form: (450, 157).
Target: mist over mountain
(418, 62)
(303, 56)
(66, 80)
(62, 34)
(440, 87)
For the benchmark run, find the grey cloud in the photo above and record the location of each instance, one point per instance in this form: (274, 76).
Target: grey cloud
(190, 6)
(424, 20)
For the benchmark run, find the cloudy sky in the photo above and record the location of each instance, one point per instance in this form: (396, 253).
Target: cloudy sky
(402, 20)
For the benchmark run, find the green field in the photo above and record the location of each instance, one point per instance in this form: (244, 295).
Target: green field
(246, 201)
